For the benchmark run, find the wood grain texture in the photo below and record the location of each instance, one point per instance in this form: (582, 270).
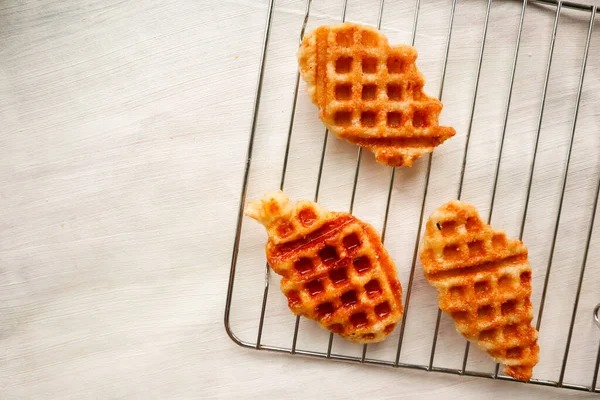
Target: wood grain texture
(123, 134)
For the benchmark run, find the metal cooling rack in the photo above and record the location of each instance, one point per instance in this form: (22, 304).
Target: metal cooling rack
(557, 7)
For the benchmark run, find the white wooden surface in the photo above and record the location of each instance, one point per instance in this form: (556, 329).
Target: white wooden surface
(123, 133)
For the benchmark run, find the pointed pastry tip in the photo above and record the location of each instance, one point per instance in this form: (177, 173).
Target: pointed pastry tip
(521, 373)
(272, 206)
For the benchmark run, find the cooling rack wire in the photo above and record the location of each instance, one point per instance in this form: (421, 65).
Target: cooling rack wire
(557, 8)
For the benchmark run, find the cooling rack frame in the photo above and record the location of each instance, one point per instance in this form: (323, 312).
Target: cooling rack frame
(430, 367)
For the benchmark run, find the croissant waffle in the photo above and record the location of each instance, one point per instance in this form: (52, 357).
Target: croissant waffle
(483, 280)
(371, 94)
(334, 268)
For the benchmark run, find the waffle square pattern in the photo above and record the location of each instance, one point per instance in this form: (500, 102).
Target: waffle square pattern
(483, 280)
(371, 94)
(334, 268)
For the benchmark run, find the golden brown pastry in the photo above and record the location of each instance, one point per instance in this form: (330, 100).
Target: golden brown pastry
(483, 280)
(334, 268)
(370, 93)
